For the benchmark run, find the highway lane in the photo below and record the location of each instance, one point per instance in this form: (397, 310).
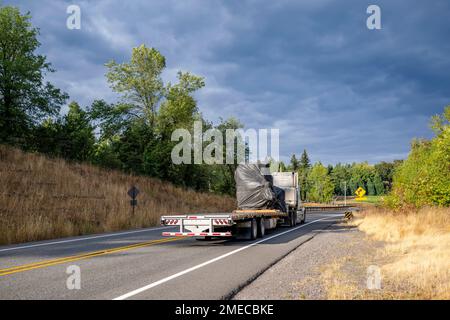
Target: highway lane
(141, 264)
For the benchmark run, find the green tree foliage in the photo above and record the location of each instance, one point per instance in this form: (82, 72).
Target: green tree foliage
(385, 171)
(340, 176)
(71, 137)
(305, 163)
(139, 81)
(77, 134)
(370, 187)
(25, 99)
(135, 134)
(378, 185)
(303, 171)
(424, 177)
(224, 173)
(321, 187)
(105, 155)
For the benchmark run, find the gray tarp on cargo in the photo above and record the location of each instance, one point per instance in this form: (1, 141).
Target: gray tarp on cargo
(255, 191)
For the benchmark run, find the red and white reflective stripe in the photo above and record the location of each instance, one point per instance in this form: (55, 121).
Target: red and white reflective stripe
(171, 221)
(221, 221)
(197, 234)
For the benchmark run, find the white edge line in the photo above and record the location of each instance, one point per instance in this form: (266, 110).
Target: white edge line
(179, 274)
(82, 239)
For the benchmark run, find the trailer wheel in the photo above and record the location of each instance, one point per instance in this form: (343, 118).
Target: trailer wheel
(291, 219)
(261, 228)
(253, 229)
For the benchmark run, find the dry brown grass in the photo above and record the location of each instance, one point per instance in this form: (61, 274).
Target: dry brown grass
(411, 248)
(42, 198)
(418, 248)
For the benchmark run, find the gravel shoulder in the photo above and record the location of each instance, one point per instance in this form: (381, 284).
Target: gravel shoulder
(332, 265)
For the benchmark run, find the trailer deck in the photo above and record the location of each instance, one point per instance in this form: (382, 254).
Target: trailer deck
(203, 225)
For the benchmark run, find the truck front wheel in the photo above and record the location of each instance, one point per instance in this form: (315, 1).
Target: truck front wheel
(303, 216)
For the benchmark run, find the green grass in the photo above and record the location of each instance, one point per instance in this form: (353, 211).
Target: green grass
(372, 199)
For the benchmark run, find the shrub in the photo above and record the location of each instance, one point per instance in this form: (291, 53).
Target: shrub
(424, 178)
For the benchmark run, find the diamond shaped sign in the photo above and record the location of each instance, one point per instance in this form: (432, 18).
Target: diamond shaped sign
(360, 192)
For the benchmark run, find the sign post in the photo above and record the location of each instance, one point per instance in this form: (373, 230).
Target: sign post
(133, 192)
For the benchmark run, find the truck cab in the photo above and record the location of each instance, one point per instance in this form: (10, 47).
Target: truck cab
(288, 182)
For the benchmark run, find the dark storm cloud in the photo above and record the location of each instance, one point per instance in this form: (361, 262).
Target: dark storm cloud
(310, 68)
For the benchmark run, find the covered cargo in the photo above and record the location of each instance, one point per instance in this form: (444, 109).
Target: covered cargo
(254, 190)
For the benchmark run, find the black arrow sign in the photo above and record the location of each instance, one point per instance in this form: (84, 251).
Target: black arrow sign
(133, 192)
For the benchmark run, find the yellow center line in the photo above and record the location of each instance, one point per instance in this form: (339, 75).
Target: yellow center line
(48, 263)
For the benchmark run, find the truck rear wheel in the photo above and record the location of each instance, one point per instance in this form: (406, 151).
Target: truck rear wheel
(261, 228)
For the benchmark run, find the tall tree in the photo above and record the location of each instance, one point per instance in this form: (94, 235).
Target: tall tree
(303, 172)
(138, 130)
(25, 99)
(295, 164)
(305, 163)
(139, 81)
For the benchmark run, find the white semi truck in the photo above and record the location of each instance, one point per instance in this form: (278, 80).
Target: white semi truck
(249, 223)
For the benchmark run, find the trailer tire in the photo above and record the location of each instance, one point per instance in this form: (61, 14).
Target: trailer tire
(253, 229)
(261, 228)
(292, 219)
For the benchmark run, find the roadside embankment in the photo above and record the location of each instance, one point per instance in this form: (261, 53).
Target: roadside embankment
(44, 198)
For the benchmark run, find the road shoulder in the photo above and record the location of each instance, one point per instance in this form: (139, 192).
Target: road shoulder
(334, 262)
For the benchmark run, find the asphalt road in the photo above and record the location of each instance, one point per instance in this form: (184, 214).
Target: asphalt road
(141, 264)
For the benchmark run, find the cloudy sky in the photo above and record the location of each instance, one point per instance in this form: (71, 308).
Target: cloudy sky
(310, 68)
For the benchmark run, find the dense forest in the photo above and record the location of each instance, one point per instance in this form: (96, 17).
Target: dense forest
(133, 134)
(321, 183)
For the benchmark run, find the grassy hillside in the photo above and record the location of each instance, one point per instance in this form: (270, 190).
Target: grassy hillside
(43, 198)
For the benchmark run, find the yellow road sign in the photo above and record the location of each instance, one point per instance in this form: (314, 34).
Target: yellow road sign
(360, 192)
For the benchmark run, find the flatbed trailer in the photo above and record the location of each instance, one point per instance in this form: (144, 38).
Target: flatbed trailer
(248, 223)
